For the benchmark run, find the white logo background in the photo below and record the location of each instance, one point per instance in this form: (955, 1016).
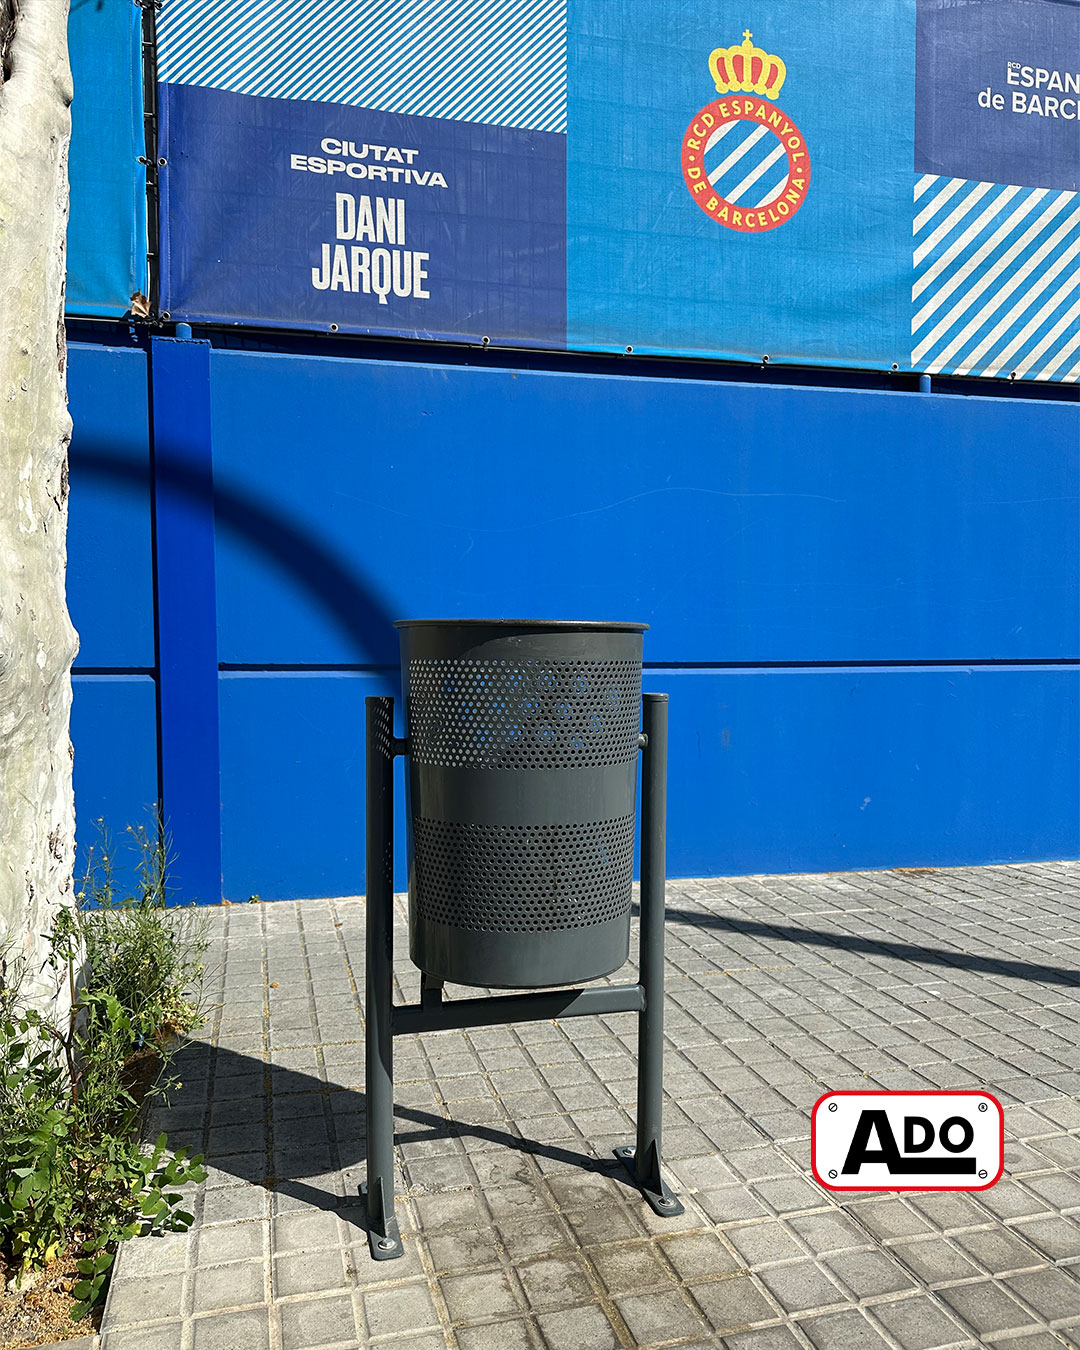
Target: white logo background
(907, 1141)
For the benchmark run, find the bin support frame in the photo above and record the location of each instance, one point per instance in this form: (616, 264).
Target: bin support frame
(384, 1021)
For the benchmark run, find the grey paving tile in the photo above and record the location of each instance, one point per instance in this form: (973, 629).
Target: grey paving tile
(733, 1304)
(429, 1340)
(449, 1211)
(479, 1297)
(919, 1323)
(1053, 1293)
(935, 1260)
(828, 1231)
(555, 1282)
(315, 1322)
(398, 1311)
(308, 1273)
(789, 1195)
(763, 1243)
(604, 1223)
(542, 1235)
(161, 1336)
(731, 1203)
(506, 1335)
(164, 1254)
(1053, 1235)
(869, 1273)
(231, 1286)
(764, 1338)
(698, 1256)
(626, 1268)
(801, 1287)
(986, 1307)
(249, 1330)
(658, 1317)
(584, 1328)
(233, 1242)
(849, 1330)
(1042, 1340)
(469, 1249)
(890, 1218)
(305, 1230)
(155, 1298)
(999, 1250)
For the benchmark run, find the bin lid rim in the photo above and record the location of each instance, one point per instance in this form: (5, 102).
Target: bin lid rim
(556, 625)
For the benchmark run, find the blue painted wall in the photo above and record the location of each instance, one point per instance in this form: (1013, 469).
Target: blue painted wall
(304, 732)
(864, 605)
(110, 562)
(113, 730)
(744, 523)
(111, 596)
(854, 767)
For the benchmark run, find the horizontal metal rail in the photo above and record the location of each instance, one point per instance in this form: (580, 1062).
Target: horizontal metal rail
(458, 1014)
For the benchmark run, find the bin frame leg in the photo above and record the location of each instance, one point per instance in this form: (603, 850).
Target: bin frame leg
(643, 1161)
(384, 1021)
(384, 1238)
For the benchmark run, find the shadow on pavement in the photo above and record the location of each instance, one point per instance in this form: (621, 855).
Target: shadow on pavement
(301, 1149)
(898, 951)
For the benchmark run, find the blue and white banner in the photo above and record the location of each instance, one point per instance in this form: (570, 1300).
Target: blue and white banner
(996, 213)
(837, 182)
(106, 239)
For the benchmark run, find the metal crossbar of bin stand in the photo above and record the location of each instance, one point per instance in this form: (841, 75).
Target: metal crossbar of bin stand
(384, 1021)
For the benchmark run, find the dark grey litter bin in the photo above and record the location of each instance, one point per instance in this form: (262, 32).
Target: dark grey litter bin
(523, 746)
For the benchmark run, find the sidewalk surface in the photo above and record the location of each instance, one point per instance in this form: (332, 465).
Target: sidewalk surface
(518, 1229)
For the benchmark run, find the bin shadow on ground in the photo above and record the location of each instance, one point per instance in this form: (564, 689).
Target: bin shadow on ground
(315, 1103)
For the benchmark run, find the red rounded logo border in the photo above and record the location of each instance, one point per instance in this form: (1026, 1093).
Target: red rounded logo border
(739, 108)
(901, 1092)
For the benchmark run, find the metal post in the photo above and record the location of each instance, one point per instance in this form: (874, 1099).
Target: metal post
(644, 1160)
(383, 1236)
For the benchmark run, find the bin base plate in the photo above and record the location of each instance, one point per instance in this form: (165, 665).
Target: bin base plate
(384, 1239)
(659, 1198)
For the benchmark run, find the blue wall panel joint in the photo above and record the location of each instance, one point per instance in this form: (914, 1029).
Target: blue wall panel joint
(187, 614)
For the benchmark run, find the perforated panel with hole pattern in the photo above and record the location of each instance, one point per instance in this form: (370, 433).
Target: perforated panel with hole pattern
(529, 714)
(523, 878)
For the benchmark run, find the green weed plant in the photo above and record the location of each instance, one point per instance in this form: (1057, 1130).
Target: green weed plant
(74, 1174)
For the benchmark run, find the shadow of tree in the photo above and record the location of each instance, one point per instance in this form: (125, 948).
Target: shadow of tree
(358, 608)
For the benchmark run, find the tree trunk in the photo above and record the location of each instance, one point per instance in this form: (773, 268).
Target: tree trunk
(37, 641)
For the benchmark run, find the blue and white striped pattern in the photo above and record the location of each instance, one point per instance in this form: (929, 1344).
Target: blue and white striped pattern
(502, 62)
(746, 163)
(997, 280)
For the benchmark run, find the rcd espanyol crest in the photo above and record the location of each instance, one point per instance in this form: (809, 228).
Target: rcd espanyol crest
(746, 162)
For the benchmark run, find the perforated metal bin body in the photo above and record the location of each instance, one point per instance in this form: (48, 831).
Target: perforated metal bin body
(523, 750)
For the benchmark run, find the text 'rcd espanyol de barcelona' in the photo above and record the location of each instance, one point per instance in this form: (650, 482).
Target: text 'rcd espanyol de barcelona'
(745, 161)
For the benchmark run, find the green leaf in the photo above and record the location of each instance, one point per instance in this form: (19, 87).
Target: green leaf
(83, 1289)
(79, 1311)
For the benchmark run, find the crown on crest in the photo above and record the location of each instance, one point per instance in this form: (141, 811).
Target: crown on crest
(747, 68)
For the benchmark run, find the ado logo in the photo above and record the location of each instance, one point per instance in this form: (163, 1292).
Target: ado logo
(907, 1141)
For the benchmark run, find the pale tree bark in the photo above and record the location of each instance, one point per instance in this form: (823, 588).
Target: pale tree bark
(37, 641)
